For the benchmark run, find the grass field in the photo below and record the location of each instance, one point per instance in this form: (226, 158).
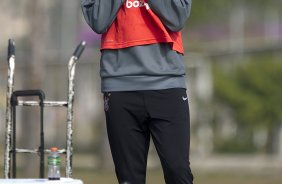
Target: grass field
(156, 177)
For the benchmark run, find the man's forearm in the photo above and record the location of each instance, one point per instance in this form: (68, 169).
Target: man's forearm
(172, 13)
(99, 14)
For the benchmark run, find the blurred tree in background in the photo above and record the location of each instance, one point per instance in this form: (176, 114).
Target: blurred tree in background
(219, 10)
(253, 90)
(250, 90)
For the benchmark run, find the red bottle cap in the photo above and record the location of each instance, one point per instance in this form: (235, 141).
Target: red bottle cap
(53, 149)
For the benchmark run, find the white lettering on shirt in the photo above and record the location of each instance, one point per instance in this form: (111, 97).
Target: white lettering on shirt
(137, 4)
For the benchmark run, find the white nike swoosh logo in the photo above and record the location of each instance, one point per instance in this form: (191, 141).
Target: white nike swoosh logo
(184, 98)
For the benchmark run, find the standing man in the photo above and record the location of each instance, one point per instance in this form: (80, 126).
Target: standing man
(143, 81)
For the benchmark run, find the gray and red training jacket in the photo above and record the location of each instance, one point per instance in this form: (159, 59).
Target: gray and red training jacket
(147, 65)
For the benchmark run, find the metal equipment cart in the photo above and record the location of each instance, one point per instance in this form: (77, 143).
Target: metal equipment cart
(12, 102)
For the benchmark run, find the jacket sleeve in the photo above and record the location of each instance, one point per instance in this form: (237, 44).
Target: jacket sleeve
(99, 14)
(172, 13)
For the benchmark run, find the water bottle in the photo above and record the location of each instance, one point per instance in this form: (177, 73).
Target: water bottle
(54, 162)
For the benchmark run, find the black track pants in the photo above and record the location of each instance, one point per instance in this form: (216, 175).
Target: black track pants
(132, 117)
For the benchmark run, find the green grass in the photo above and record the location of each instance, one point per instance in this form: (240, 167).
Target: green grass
(155, 176)
(217, 177)
(108, 177)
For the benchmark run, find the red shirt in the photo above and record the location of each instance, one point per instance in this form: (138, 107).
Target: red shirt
(136, 24)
